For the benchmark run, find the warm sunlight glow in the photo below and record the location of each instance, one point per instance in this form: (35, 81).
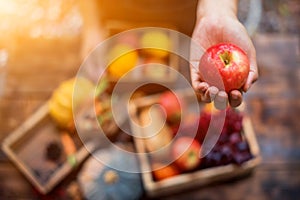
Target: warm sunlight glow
(39, 18)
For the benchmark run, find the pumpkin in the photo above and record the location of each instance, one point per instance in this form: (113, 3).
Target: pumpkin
(63, 99)
(114, 182)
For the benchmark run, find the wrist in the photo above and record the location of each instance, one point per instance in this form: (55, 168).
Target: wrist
(217, 8)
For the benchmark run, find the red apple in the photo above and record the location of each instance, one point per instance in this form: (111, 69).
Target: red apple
(186, 152)
(225, 66)
(172, 106)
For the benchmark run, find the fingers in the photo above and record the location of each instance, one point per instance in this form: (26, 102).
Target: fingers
(235, 98)
(252, 77)
(202, 90)
(209, 94)
(220, 98)
(253, 74)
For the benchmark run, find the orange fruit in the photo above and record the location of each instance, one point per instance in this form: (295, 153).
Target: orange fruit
(123, 58)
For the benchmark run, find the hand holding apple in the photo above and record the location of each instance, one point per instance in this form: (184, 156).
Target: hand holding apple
(225, 66)
(217, 25)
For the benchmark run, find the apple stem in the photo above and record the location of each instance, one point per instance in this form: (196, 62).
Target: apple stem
(225, 57)
(226, 62)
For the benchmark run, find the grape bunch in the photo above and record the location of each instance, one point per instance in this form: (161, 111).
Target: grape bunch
(231, 146)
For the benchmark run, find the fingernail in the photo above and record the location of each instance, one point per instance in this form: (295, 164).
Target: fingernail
(220, 99)
(212, 94)
(203, 87)
(220, 105)
(222, 96)
(234, 97)
(248, 87)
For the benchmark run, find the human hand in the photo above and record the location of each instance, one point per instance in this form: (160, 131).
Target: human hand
(213, 28)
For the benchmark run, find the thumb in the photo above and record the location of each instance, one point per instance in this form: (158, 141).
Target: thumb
(252, 77)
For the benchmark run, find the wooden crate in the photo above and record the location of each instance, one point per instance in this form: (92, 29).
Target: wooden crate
(26, 147)
(192, 179)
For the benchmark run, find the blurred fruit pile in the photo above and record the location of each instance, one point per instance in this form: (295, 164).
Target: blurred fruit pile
(176, 148)
(79, 100)
(131, 50)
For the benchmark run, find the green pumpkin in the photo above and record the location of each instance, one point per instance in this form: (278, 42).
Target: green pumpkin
(105, 182)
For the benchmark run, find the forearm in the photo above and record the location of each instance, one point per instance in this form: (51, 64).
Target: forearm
(217, 7)
(90, 15)
(92, 32)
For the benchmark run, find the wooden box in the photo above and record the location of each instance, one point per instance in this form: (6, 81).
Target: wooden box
(193, 179)
(26, 148)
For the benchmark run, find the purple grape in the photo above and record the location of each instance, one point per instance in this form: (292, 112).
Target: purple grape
(240, 158)
(227, 154)
(225, 130)
(226, 150)
(242, 146)
(235, 138)
(222, 139)
(237, 126)
(217, 158)
(208, 160)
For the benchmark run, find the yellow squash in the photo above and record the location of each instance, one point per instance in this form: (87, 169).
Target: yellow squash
(63, 98)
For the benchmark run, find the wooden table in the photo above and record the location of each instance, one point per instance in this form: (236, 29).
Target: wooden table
(37, 68)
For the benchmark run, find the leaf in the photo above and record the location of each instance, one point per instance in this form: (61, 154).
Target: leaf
(105, 117)
(101, 87)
